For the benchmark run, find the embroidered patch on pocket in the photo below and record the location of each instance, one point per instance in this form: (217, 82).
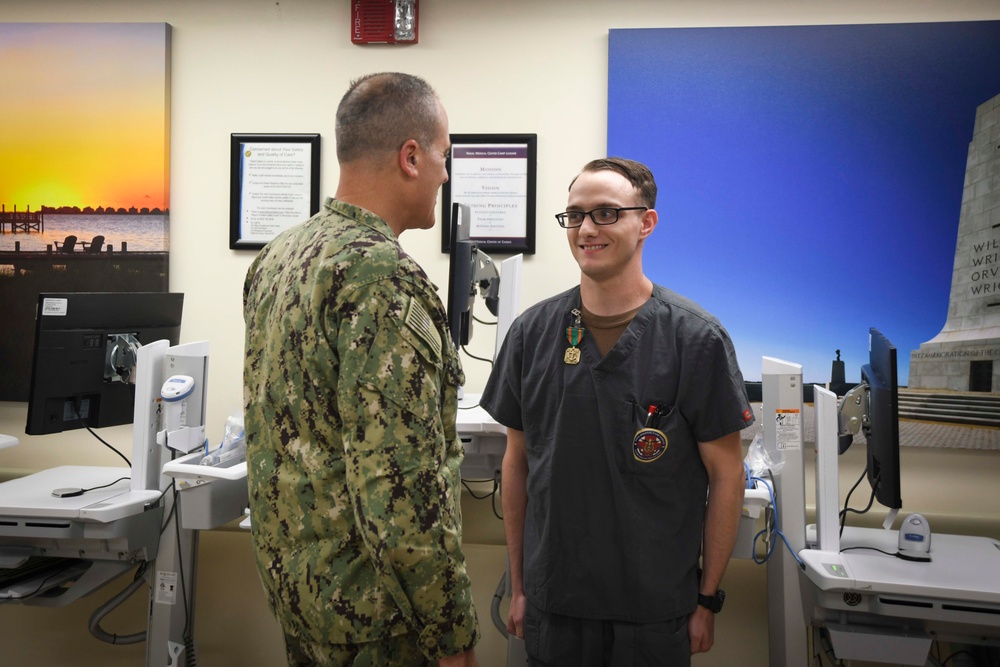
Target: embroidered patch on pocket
(648, 445)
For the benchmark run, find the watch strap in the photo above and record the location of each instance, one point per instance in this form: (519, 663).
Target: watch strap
(712, 602)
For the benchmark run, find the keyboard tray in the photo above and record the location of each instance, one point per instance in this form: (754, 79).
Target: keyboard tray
(37, 575)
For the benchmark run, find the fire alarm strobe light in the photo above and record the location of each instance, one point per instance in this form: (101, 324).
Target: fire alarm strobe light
(384, 21)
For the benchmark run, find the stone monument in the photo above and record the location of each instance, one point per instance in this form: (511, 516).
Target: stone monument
(964, 356)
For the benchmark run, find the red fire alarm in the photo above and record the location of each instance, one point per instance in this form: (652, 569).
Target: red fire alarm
(384, 21)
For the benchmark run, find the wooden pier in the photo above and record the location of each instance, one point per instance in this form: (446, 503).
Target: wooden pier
(21, 221)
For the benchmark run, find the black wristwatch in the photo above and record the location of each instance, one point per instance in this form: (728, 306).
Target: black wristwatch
(713, 602)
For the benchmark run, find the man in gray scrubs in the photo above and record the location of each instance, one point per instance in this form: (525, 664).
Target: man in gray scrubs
(623, 478)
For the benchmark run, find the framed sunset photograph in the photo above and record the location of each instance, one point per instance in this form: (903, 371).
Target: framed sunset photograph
(84, 170)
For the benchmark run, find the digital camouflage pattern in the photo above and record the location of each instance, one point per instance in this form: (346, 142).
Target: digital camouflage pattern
(353, 458)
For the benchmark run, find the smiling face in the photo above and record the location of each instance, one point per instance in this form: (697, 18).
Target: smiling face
(608, 252)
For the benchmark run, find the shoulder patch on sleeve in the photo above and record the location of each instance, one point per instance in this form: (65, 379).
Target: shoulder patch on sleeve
(419, 320)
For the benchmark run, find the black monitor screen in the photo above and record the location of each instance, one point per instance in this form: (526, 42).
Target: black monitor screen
(882, 424)
(82, 373)
(461, 274)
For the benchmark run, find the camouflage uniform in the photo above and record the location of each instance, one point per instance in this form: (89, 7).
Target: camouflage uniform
(353, 459)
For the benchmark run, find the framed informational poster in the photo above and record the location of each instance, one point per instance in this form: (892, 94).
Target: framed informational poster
(274, 184)
(494, 174)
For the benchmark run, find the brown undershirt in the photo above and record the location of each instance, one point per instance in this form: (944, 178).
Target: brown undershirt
(606, 329)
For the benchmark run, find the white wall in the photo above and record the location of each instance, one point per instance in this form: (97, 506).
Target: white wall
(282, 65)
(510, 66)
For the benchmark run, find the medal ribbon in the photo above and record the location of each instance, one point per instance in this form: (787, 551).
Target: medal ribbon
(574, 335)
(575, 332)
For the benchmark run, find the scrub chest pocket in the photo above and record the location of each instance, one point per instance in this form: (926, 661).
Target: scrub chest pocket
(651, 439)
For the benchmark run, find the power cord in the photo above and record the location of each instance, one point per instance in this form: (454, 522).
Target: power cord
(73, 492)
(472, 356)
(77, 407)
(108, 445)
(847, 500)
(188, 634)
(492, 495)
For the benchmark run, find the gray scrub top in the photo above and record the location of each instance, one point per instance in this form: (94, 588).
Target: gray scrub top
(614, 521)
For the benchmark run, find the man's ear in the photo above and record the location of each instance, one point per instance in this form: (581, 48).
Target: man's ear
(409, 157)
(649, 220)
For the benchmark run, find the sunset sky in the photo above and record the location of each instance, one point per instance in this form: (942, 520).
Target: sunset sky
(85, 115)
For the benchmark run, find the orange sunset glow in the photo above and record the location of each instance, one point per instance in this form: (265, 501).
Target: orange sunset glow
(84, 118)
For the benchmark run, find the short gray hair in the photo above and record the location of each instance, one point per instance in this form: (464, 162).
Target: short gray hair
(381, 112)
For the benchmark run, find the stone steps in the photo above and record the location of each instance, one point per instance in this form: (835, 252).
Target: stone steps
(978, 409)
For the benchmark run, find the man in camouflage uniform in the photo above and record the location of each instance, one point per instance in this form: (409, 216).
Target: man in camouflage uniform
(350, 396)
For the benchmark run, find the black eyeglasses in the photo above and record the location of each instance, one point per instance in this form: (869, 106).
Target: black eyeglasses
(600, 216)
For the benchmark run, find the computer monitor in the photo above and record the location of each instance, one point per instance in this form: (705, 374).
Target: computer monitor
(873, 407)
(469, 270)
(82, 372)
(881, 425)
(461, 276)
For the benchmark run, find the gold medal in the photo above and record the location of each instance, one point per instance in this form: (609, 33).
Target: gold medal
(572, 355)
(574, 334)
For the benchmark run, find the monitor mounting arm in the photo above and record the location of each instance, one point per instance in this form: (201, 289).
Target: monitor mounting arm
(486, 276)
(852, 416)
(120, 357)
